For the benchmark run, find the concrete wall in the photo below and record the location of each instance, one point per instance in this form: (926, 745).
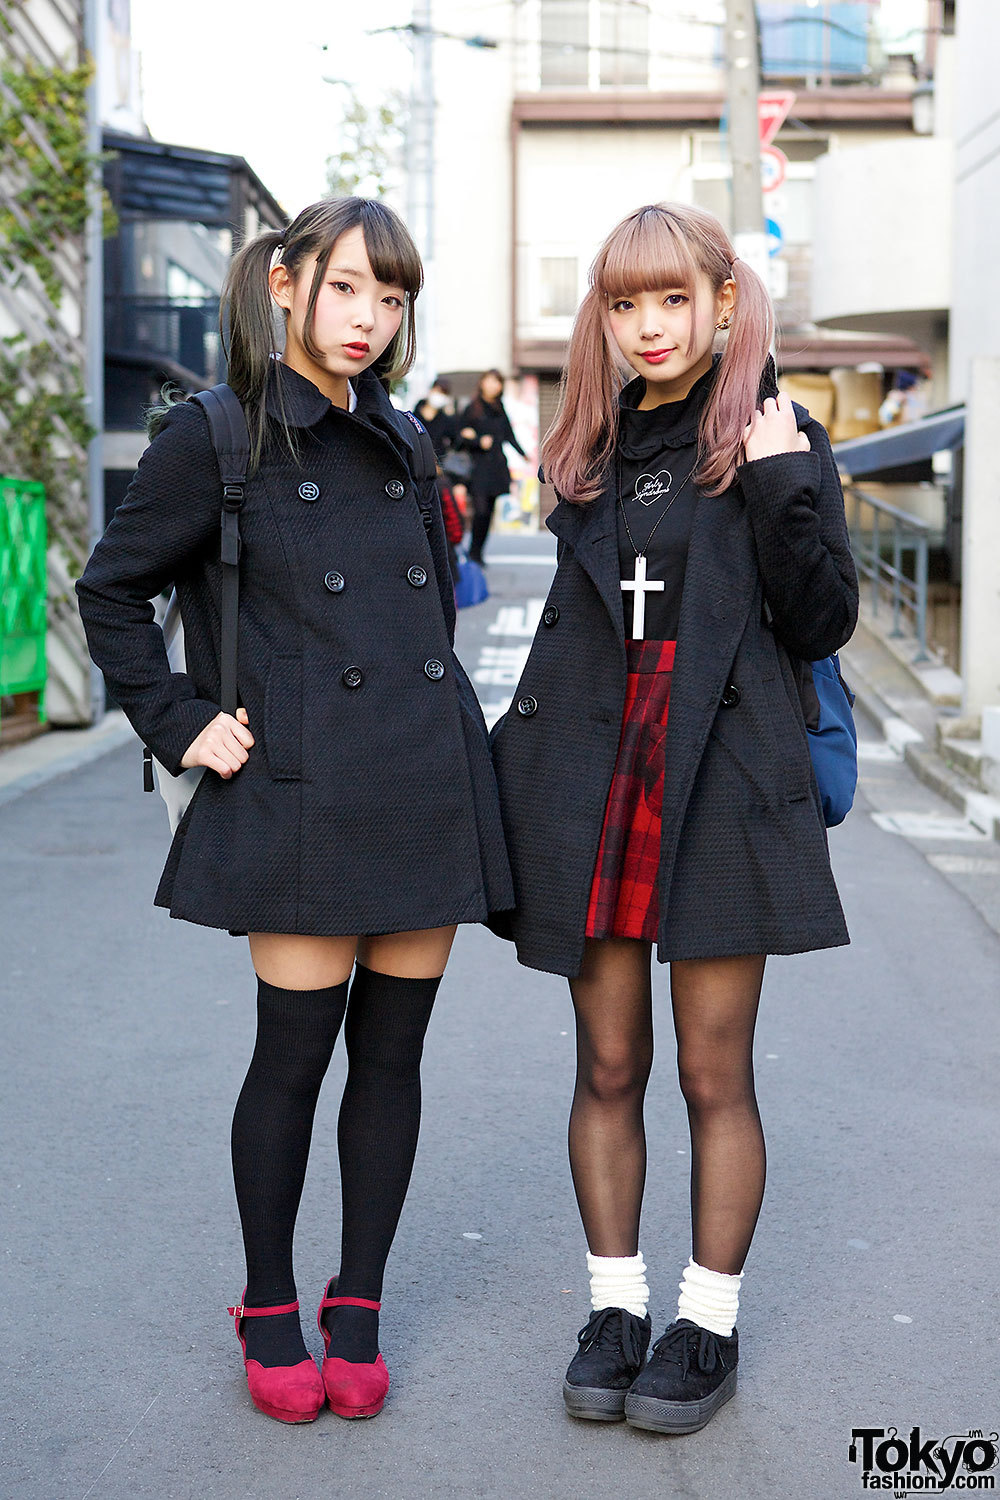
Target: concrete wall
(981, 541)
(975, 325)
(882, 243)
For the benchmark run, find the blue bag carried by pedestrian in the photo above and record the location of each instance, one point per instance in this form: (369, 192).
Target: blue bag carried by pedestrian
(833, 739)
(471, 586)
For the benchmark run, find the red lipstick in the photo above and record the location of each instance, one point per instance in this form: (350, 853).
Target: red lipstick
(356, 351)
(656, 356)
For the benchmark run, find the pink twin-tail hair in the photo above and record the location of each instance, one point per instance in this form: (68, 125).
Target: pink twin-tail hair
(659, 246)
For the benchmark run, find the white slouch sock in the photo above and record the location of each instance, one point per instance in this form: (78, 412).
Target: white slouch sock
(709, 1298)
(618, 1281)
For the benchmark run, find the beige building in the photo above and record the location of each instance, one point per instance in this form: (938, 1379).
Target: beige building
(585, 109)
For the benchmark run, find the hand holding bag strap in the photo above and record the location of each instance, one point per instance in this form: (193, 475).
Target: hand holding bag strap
(231, 440)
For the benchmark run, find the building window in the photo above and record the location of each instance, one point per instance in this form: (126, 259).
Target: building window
(594, 43)
(565, 39)
(624, 44)
(818, 39)
(557, 286)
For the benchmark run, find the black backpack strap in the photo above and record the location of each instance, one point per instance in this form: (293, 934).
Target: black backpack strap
(227, 424)
(423, 459)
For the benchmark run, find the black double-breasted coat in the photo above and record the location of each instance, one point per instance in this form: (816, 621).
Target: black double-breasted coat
(368, 803)
(744, 865)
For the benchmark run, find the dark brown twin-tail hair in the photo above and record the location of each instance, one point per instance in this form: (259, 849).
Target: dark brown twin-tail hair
(248, 314)
(659, 246)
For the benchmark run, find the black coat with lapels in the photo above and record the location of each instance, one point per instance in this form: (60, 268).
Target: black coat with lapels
(368, 803)
(744, 864)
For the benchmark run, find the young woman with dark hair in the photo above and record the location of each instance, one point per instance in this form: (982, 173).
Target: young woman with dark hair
(348, 817)
(484, 427)
(703, 559)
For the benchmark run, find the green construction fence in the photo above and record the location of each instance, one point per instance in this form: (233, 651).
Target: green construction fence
(23, 588)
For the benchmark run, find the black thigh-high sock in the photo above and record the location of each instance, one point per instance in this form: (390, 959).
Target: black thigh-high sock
(377, 1135)
(272, 1128)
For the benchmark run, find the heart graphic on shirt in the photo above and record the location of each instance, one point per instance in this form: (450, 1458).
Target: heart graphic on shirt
(650, 487)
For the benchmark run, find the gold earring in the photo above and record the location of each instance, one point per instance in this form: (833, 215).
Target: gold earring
(724, 324)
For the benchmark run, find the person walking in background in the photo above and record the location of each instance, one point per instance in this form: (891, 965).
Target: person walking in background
(348, 815)
(438, 414)
(484, 427)
(703, 562)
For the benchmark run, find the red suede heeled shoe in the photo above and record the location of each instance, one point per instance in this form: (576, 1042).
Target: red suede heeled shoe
(289, 1393)
(353, 1390)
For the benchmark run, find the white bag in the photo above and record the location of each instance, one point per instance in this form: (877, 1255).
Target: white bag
(176, 791)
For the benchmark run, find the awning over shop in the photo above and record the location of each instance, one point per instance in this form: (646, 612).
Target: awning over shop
(902, 453)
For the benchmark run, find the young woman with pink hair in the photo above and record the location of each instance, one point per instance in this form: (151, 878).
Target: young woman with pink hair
(703, 562)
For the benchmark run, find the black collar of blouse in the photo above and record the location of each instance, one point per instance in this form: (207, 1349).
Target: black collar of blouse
(678, 421)
(294, 399)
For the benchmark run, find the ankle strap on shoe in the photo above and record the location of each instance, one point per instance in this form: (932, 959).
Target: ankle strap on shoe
(240, 1311)
(349, 1302)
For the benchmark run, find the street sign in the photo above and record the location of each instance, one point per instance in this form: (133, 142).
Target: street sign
(773, 166)
(772, 112)
(775, 238)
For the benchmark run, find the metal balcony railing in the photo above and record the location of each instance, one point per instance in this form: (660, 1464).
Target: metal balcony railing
(882, 537)
(184, 331)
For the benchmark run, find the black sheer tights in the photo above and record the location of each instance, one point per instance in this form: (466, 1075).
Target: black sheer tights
(715, 1011)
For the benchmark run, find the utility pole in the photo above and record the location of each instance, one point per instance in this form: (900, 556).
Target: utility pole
(743, 88)
(93, 320)
(420, 188)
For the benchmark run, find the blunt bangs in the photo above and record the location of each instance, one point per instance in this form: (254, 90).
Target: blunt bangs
(392, 253)
(648, 254)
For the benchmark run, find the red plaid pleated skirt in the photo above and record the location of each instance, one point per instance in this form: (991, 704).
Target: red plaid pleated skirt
(624, 899)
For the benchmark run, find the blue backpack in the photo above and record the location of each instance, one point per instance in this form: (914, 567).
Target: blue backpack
(833, 739)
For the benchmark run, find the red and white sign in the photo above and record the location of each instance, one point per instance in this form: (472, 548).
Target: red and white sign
(772, 112)
(773, 168)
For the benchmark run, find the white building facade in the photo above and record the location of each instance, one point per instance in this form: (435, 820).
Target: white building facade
(585, 109)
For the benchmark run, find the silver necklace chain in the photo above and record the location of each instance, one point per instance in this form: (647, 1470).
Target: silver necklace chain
(621, 504)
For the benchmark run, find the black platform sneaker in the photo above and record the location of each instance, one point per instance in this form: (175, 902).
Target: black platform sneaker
(691, 1373)
(612, 1350)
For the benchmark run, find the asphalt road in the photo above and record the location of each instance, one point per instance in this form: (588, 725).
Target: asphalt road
(870, 1298)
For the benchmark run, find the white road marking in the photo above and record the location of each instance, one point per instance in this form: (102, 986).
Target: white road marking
(500, 666)
(878, 750)
(914, 825)
(517, 619)
(963, 864)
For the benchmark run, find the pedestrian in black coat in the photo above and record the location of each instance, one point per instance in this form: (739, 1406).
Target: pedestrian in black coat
(698, 830)
(484, 427)
(348, 817)
(438, 414)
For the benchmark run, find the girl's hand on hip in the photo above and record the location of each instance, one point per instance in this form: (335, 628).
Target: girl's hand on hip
(222, 746)
(774, 430)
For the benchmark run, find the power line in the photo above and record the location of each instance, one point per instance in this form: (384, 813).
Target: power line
(806, 64)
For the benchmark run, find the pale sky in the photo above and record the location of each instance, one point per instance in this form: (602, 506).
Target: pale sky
(247, 78)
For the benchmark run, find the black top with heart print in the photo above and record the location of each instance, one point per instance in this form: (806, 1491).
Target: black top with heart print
(657, 451)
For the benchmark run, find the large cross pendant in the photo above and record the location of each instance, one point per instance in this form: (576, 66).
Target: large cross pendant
(640, 585)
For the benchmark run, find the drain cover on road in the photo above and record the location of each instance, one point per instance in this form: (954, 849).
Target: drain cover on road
(913, 825)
